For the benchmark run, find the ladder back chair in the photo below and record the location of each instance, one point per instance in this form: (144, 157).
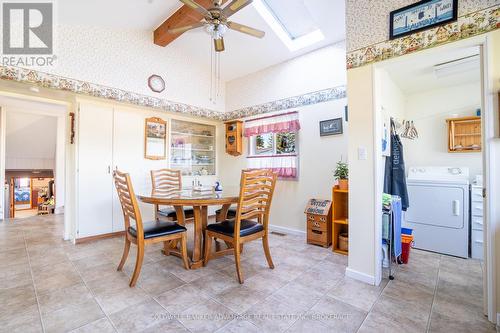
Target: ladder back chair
(141, 233)
(167, 181)
(251, 221)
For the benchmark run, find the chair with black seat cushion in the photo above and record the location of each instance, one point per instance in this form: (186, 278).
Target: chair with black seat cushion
(251, 221)
(231, 213)
(167, 181)
(141, 233)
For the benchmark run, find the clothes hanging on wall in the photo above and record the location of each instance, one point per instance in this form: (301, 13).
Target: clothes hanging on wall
(395, 175)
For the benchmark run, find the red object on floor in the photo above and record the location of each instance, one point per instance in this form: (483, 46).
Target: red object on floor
(406, 242)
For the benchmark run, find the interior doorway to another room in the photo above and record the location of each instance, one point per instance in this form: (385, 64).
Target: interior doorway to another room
(433, 103)
(33, 158)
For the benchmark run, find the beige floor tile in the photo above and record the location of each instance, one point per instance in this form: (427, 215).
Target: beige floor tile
(20, 318)
(442, 323)
(215, 283)
(458, 311)
(238, 326)
(378, 322)
(138, 317)
(118, 299)
(206, 317)
(16, 298)
(158, 281)
(274, 315)
(309, 325)
(166, 326)
(266, 282)
(180, 299)
(302, 296)
(356, 293)
(72, 316)
(339, 316)
(61, 298)
(102, 325)
(239, 298)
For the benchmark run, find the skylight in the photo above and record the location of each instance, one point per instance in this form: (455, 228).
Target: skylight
(291, 21)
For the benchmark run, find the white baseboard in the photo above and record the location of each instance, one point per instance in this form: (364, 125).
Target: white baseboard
(286, 230)
(360, 276)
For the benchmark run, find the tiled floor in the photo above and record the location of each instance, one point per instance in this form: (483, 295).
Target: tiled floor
(50, 285)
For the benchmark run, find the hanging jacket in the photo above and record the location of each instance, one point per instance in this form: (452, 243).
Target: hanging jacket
(395, 175)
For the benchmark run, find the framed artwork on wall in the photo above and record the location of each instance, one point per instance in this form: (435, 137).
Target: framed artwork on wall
(155, 139)
(331, 127)
(421, 16)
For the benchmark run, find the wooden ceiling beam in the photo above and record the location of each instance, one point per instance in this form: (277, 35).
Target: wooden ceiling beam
(182, 17)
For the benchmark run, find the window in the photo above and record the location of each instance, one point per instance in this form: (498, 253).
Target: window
(273, 143)
(291, 21)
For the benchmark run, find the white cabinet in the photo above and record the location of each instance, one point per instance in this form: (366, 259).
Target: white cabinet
(95, 187)
(477, 221)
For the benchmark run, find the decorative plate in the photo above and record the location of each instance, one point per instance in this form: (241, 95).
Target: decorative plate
(156, 83)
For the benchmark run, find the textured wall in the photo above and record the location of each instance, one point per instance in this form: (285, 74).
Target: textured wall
(125, 60)
(368, 20)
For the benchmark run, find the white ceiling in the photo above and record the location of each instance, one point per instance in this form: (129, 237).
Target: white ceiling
(416, 73)
(30, 136)
(243, 55)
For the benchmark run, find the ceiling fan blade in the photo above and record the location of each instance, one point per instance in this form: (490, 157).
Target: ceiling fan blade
(219, 44)
(235, 6)
(181, 30)
(246, 29)
(194, 5)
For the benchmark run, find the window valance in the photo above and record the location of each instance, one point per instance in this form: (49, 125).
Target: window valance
(283, 123)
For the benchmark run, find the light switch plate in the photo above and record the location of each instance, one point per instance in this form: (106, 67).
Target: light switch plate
(362, 154)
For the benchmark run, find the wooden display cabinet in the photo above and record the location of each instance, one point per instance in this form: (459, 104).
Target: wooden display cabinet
(234, 137)
(464, 134)
(340, 216)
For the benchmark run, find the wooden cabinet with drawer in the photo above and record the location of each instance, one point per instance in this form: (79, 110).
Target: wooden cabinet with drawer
(319, 227)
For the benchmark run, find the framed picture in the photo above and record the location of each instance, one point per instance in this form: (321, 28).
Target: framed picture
(155, 139)
(331, 127)
(421, 16)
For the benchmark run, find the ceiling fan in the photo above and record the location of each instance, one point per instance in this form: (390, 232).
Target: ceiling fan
(216, 21)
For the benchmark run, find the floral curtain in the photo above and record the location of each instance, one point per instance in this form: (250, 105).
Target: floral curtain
(284, 164)
(288, 122)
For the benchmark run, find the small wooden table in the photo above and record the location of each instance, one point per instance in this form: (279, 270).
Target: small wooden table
(200, 202)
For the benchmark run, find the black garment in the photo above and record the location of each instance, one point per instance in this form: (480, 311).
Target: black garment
(395, 176)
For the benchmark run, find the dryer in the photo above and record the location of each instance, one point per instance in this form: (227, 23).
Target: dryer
(439, 209)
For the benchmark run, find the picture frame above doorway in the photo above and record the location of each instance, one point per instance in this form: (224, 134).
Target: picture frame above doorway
(421, 16)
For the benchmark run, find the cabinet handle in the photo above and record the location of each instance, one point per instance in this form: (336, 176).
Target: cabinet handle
(109, 169)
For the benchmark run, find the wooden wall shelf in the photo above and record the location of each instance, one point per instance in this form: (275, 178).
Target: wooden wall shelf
(340, 217)
(464, 135)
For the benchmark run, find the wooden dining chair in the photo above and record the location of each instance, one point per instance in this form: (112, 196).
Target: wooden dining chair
(168, 181)
(251, 221)
(141, 233)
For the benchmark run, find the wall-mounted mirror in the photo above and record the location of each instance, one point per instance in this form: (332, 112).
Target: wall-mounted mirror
(155, 139)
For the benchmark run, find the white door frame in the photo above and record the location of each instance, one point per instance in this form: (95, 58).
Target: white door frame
(488, 133)
(60, 112)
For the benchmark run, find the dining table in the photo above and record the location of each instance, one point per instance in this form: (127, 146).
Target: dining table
(200, 201)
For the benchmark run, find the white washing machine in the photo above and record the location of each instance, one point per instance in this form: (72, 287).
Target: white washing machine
(439, 209)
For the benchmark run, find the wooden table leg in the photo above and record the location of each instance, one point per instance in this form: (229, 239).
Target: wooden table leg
(197, 258)
(223, 213)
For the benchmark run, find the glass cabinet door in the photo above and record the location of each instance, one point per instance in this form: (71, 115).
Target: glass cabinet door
(192, 148)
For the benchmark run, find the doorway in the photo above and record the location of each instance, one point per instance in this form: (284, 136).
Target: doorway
(435, 102)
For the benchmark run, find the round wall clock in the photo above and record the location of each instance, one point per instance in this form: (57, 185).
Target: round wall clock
(156, 83)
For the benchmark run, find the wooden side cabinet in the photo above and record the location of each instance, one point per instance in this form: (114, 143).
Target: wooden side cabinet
(319, 228)
(234, 137)
(340, 220)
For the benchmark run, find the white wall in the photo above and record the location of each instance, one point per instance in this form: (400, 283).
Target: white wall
(318, 70)
(30, 141)
(429, 110)
(324, 68)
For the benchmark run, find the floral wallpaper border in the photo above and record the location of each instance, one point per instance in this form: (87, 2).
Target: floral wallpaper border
(466, 26)
(52, 81)
(316, 97)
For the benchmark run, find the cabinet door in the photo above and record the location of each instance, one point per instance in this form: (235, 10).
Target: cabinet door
(95, 185)
(128, 156)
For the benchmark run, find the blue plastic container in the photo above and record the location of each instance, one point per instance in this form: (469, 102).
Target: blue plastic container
(406, 231)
